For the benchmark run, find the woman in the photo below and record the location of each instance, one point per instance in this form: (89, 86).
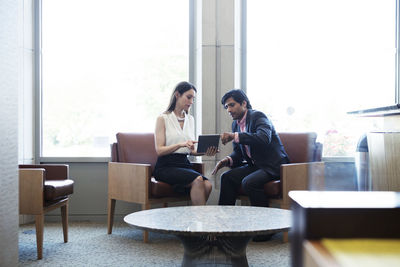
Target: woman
(174, 139)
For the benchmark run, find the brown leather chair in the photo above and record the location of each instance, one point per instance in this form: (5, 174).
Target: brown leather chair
(304, 172)
(42, 188)
(130, 178)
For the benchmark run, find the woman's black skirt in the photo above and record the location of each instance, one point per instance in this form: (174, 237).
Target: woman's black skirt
(175, 169)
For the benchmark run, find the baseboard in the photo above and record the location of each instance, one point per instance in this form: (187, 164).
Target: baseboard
(24, 219)
(86, 217)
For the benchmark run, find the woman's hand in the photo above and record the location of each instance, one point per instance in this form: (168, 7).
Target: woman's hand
(211, 151)
(189, 144)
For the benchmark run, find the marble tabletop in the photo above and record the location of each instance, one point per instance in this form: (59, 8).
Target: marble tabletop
(216, 220)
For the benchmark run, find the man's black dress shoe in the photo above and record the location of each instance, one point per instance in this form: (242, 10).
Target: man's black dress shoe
(262, 238)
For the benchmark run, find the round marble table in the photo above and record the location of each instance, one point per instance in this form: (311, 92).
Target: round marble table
(213, 235)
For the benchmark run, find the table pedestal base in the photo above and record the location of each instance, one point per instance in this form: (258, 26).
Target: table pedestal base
(214, 250)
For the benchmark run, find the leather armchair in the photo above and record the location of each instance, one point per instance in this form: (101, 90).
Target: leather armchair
(130, 179)
(304, 172)
(42, 188)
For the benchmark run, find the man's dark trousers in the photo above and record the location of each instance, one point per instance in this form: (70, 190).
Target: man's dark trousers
(252, 180)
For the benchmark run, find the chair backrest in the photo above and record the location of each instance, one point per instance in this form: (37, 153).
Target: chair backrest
(53, 171)
(135, 148)
(140, 147)
(300, 147)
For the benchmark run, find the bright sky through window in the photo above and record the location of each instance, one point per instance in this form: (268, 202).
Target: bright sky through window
(108, 67)
(311, 61)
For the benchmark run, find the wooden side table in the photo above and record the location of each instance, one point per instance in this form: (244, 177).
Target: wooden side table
(351, 252)
(345, 215)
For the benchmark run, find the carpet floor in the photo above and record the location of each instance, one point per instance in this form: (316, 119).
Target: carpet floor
(90, 245)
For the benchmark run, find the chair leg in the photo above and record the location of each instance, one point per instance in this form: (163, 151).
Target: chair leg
(39, 222)
(285, 237)
(64, 218)
(145, 233)
(110, 215)
(145, 236)
(285, 206)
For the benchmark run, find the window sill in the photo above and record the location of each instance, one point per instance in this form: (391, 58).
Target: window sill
(74, 159)
(107, 159)
(338, 159)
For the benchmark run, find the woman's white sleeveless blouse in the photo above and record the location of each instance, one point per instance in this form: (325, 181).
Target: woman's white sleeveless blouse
(174, 134)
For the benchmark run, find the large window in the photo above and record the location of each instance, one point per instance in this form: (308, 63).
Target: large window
(108, 66)
(310, 62)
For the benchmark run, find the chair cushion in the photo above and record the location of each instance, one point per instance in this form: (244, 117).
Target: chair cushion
(56, 189)
(272, 189)
(160, 189)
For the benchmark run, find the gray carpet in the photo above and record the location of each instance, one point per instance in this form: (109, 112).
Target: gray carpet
(90, 245)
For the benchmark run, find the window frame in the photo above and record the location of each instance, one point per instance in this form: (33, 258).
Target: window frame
(38, 111)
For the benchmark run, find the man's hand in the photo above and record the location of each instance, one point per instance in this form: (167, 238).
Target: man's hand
(220, 164)
(227, 137)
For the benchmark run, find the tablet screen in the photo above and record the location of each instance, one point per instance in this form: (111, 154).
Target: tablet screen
(207, 140)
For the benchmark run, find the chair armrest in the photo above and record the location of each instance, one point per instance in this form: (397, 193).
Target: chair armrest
(53, 171)
(31, 186)
(301, 176)
(198, 166)
(129, 181)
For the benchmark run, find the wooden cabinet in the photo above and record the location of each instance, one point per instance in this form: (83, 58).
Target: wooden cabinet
(384, 147)
(340, 215)
(351, 252)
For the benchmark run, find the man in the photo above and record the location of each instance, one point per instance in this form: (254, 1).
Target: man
(257, 152)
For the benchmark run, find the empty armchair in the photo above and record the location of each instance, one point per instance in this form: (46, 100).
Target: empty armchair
(130, 178)
(42, 188)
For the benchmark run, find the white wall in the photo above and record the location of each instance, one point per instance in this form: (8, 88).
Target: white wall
(10, 55)
(26, 119)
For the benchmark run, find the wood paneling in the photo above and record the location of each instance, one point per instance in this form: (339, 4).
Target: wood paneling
(384, 153)
(31, 182)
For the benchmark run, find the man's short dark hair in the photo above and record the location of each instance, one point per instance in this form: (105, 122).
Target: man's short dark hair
(238, 95)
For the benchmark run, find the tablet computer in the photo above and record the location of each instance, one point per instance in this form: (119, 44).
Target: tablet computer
(206, 141)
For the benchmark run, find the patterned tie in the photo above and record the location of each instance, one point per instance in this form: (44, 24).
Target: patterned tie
(242, 127)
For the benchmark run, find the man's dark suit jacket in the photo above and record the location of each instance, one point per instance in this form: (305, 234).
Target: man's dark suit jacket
(266, 149)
